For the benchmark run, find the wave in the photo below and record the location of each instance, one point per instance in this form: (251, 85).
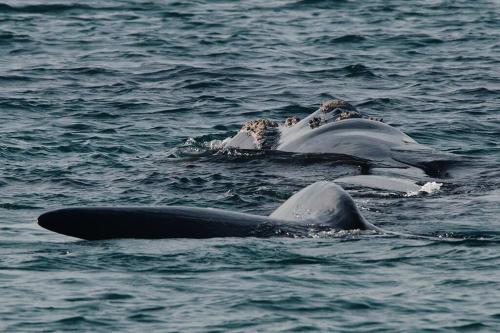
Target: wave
(349, 39)
(44, 9)
(429, 188)
(321, 4)
(359, 70)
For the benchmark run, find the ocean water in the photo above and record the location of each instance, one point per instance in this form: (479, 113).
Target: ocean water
(115, 103)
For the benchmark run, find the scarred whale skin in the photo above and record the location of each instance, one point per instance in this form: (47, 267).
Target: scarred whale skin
(322, 204)
(341, 130)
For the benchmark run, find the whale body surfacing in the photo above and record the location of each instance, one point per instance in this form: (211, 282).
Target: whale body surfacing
(396, 161)
(337, 127)
(322, 204)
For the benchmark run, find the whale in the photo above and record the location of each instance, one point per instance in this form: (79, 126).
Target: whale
(337, 127)
(322, 206)
(396, 161)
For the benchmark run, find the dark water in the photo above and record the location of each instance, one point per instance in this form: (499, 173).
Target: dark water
(115, 103)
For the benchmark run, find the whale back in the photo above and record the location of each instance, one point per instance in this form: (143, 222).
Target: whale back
(323, 203)
(358, 137)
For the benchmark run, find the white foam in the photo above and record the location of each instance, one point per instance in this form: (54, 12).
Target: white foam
(217, 144)
(339, 233)
(429, 187)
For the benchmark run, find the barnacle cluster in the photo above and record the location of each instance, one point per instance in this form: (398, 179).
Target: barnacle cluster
(348, 115)
(333, 104)
(264, 131)
(290, 121)
(315, 122)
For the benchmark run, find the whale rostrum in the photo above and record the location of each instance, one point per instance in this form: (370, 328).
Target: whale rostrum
(338, 127)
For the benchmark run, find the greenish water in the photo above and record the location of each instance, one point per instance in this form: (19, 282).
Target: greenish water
(116, 103)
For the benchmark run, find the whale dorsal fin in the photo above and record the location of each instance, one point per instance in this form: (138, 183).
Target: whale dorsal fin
(323, 203)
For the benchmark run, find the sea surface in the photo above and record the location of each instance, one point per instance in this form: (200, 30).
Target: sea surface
(116, 103)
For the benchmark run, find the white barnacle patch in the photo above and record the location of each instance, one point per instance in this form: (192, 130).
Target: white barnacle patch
(337, 110)
(290, 121)
(333, 104)
(348, 115)
(334, 110)
(265, 132)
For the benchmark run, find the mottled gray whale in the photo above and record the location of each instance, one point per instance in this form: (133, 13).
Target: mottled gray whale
(319, 206)
(337, 127)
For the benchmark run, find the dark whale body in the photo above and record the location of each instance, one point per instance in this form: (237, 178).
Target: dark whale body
(94, 223)
(323, 205)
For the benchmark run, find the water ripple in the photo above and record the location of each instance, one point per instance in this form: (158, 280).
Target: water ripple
(125, 103)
